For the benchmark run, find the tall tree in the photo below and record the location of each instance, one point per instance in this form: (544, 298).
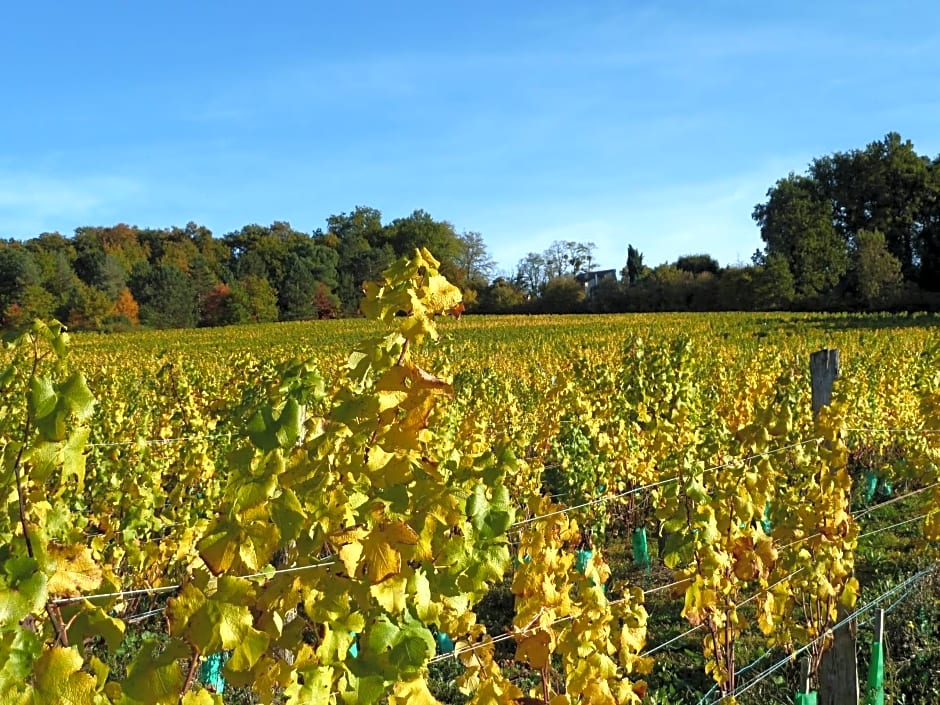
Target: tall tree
(774, 285)
(531, 274)
(556, 260)
(254, 300)
(796, 223)
(125, 307)
(473, 260)
(881, 187)
(421, 230)
(296, 296)
(18, 271)
(877, 271)
(634, 270)
(581, 256)
(88, 307)
(502, 296)
(361, 255)
(165, 296)
(928, 242)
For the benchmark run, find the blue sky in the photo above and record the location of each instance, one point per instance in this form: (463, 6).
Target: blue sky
(656, 124)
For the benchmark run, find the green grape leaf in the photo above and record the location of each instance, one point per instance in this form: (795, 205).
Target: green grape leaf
(364, 690)
(225, 622)
(254, 493)
(78, 400)
(93, 621)
(267, 432)
(253, 544)
(490, 518)
(316, 689)
(393, 651)
(287, 514)
(42, 397)
(289, 424)
(23, 589)
(413, 647)
(154, 676)
(19, 650)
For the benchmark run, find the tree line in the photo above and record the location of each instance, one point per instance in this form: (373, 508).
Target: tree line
(858, 230)
(121, 276)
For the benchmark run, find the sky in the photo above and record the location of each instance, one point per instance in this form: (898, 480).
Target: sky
(658, 124)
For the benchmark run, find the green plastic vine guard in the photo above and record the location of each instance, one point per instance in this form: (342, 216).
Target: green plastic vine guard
(582, 559)
(210, 672)
(806, 699)
(766, 524)
(875, 692)
(354, 647)
(445, 645)
(641, 553)
(876, 487)
(871, 484)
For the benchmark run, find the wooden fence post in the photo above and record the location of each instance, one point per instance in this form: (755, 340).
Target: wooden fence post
(823, 370)
(838, 670)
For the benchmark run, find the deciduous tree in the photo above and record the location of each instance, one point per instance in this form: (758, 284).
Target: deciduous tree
(877, 271)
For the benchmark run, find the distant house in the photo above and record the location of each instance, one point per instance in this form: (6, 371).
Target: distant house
(591, 279)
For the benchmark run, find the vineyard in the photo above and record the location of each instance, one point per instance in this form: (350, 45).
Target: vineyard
(419, 507)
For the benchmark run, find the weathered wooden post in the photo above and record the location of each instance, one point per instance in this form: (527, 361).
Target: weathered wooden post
(823, 371)
(838, 670)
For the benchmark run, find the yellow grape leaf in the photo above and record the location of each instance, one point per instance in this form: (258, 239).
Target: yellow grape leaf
(427, 610)
(399, 532)
(59, 679)
(391, 594)
(746, 566)
(425, 380)
(353, 534)
(414, 692)
(849, 592)
(379, 560)
(696, 603)
(180, 608)
(389, 469)
(390, 400)
(252, 543)
(442, 296)
(765, 614)
(201, 697)
(350, 554)
(534, 649)
(75, 570)
(633, 639)
(767, 553)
